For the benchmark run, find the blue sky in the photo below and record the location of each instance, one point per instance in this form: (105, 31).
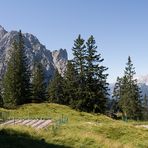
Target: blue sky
(120, 27)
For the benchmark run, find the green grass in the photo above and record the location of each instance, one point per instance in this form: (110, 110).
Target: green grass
(83, 130)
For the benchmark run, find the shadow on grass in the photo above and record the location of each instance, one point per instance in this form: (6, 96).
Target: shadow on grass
(12, 139)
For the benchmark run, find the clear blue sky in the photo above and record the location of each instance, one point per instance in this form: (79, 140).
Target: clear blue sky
(120, 27)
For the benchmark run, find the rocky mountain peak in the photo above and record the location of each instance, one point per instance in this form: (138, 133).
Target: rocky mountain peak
(58, 54)
(59, 57)
(2, 31)
(31, 38)
(2, 28)
(36, 52)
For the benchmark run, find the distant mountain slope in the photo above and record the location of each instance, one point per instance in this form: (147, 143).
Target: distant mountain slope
(143, 87)
(36, 52)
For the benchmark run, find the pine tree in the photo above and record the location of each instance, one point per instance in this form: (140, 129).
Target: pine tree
(71, 85)
(145, 107)
(130, 102)
(79, 58)
(116, 96)
(96, 85)
(1, 99)
(55, 89)
(79, 51)
(91, 64)
(124, 97)
(17, 77)
(9, 80)
(38, 83)
(23, 72)
(90, 80)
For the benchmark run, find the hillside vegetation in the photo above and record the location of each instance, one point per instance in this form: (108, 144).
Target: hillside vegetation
(82, 130)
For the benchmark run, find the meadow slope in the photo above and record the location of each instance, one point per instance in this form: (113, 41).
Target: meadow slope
(83, 130)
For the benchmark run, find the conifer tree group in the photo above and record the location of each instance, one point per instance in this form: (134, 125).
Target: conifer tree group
(16, 85)
(1, 99)
(127, 94)
(145, 107)
(16, 82)
(83, 87)
(38, 83)
(56, 89)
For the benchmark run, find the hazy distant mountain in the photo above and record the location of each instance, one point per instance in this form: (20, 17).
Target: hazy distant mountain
(142, 79)
(35, 52)
(142, 82)
(144, 88)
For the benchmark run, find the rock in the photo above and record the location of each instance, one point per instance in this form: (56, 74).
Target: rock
(35, 51)
(2, 31)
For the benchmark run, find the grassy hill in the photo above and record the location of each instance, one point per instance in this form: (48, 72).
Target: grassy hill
(83, 130)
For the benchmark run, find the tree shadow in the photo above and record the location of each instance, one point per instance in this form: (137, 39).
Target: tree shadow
(12, 139)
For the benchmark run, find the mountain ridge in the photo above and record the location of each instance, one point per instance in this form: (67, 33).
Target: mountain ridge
(35, 51)
(142, 81)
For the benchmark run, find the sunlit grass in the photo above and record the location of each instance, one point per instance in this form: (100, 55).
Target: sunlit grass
(83, 130)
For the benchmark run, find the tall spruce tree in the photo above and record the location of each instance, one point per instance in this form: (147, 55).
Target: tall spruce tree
(79, 51)
(130, 102)
(38, 83)
(17, 78)
(91, 64)
(145, 107)
(23, 72)
(96, 85)
(1, 99)
(116, 96)
(71, 85)
(91, 94)
(9, 80)
(55, 89)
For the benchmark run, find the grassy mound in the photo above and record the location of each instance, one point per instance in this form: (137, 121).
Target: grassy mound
(83, 130)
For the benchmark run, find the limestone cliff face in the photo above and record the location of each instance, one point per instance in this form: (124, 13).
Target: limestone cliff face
(59, 57)
(35, 51)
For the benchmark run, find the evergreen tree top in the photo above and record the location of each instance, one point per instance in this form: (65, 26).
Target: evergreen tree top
(129, 69)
